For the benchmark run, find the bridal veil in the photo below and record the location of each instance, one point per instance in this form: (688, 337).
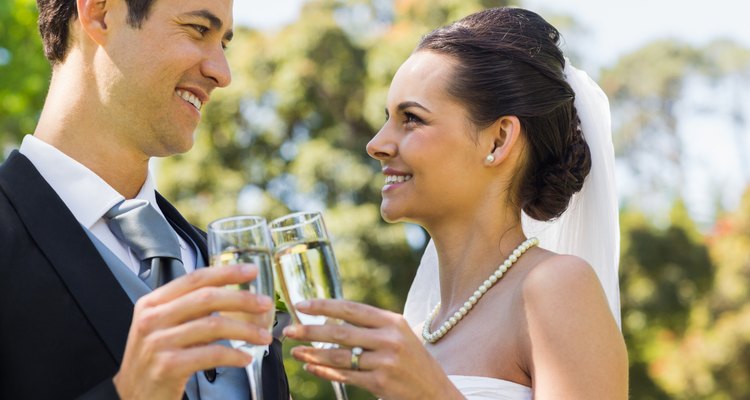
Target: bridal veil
(589, 228)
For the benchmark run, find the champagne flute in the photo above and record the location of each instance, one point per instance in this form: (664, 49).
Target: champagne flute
(245, 240)
(306, 269)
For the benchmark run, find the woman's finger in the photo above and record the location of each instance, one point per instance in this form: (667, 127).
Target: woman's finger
(339, 358)
(363, 379)
(342, 334)
(352, 312)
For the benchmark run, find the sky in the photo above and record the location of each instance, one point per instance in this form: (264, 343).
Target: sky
(614, 28)
(618, 26)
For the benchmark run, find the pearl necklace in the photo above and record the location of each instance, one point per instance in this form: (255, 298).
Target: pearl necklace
(433, 337)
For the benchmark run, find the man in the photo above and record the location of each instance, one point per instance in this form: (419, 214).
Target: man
(129, 80)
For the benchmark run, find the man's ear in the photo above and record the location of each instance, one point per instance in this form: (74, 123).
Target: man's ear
(91, 16)
(504, 134)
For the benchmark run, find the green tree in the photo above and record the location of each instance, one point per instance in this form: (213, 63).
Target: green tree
(711, 360)
(664, 272)
(648, 93)
(24, 72)
(686, 306)
(645, 89)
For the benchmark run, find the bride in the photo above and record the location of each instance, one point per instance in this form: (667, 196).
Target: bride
(482, 144)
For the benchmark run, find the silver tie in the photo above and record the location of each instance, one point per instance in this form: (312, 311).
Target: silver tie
(137, 224)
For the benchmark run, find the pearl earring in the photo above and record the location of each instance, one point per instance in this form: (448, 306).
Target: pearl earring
(489, 159)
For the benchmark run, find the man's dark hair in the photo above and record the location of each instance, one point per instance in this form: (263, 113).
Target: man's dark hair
(55, 17)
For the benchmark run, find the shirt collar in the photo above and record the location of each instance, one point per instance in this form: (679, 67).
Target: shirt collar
(86, 194)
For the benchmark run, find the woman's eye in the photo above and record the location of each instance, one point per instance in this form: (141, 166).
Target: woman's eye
(411, 118)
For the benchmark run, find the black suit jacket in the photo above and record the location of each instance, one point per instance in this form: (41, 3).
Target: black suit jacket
(64, 318)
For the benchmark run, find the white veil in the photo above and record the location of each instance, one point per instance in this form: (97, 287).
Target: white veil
(589, 228)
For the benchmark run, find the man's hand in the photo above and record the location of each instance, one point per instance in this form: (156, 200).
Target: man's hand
(174, 329)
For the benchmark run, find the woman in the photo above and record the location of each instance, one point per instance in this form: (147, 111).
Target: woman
(481, 128)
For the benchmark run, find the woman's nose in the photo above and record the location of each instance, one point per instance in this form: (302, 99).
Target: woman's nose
(381, 146)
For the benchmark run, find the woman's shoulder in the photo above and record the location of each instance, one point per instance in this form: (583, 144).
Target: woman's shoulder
(572, 341)
(555, 272)
(558, 286)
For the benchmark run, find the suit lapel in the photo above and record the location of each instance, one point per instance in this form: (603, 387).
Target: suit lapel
(176, 219)
(64, 243)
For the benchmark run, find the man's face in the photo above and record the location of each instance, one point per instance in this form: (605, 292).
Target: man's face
(158, 77)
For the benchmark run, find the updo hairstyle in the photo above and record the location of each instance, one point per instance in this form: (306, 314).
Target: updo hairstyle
(508, 63)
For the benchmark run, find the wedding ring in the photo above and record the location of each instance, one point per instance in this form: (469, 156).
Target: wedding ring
(356, 353)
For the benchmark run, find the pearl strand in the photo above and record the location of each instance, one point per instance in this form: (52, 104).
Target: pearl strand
(433, 337)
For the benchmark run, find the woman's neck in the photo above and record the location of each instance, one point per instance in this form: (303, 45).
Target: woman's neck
(469, 250)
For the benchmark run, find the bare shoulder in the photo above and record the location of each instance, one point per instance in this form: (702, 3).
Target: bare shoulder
(561, 289)
(561, 275)
(573, 344)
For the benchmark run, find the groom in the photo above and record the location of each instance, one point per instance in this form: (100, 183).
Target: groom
(81, 314)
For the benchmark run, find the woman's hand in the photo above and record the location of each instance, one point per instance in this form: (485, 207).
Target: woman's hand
(394, 364)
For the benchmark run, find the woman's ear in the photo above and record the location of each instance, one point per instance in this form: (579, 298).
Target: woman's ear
(91, 16)
(504, 134)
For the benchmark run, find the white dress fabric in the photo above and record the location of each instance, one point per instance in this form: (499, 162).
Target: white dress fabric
(483, 388)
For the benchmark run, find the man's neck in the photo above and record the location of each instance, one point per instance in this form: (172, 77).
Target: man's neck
(70, 122)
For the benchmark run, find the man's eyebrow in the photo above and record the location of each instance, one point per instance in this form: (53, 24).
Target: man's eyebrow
(213, 20)
(403, 106)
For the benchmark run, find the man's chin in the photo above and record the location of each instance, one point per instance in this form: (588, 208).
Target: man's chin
(174, 148)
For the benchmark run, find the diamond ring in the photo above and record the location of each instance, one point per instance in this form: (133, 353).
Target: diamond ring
(356, 353)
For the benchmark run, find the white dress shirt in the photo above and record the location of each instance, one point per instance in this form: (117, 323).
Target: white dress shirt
(89, 197)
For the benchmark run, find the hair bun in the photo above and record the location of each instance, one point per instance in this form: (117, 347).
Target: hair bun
(508, 62)
(555, 181)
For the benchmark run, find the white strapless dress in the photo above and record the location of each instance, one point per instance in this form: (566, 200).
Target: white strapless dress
(483, 388)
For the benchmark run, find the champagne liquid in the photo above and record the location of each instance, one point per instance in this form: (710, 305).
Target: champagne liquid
(262, 284)
(307, 270)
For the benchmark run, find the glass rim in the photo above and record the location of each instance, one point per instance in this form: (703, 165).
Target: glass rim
(317, 216)
(257, 221)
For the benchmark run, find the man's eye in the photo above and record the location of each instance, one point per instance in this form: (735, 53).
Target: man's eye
(200, 28)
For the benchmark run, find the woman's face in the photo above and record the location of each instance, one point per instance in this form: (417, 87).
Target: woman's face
(432, 156)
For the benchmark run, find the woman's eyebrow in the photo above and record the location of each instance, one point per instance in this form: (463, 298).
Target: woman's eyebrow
(407, 104)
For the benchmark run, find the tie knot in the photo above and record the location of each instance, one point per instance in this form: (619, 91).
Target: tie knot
(143, 229)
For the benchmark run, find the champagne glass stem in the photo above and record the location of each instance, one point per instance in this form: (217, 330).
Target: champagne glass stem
(340, 390)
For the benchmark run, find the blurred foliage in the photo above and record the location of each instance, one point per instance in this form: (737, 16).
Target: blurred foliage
(24, 72)
(289, 134)
(647, 91)
(686, 306)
